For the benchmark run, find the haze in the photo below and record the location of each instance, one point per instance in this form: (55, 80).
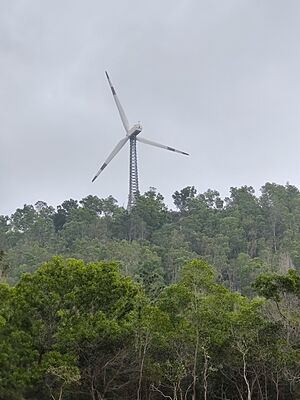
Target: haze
(218, 79)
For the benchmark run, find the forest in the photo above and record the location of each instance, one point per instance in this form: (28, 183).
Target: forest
(196, 302)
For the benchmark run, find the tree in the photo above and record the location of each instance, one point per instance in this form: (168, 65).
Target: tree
(148, 215)
(63, 211)
(4, 229)
(182, 199)
(23, 218)
(69, 318)
(197, 309)
(93, 203)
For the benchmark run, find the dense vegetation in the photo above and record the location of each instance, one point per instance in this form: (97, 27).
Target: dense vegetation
(83, 331)
(241, 236)
(197, 303)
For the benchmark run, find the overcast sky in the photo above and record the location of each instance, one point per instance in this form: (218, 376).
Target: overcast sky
(216, 78)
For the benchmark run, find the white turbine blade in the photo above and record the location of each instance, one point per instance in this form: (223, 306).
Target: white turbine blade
(118, 104)
(142, 140)
(112, 155)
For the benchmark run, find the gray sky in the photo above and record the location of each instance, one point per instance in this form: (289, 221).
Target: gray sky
(218, 79)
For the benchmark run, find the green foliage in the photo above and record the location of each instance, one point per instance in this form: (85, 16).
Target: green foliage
(241, 236)
(182, 199)
(80, 330)
(274, 286)
(65, 320)
(164, 313)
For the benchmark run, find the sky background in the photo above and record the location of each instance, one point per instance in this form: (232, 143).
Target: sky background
(218, 79)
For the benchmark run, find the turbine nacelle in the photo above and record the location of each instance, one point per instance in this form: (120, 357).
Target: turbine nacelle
(135, 130)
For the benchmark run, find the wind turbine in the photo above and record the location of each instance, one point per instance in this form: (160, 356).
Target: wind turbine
(132, 137)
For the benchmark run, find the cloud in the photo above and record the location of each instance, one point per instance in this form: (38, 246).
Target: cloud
(217, 79)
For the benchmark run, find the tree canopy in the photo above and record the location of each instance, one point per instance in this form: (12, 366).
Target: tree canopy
(197, 302)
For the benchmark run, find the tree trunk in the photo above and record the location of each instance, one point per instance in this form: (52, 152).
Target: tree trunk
(205, 374)
(245, 377)
(195, 366)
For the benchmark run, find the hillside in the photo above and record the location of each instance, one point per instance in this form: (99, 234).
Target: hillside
(241, 236)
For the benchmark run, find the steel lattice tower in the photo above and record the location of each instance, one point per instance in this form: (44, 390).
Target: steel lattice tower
(133, 174)
(131, 136)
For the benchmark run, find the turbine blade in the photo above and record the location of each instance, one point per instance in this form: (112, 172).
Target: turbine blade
(111, 156)
(118, 104)
(162, 146)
